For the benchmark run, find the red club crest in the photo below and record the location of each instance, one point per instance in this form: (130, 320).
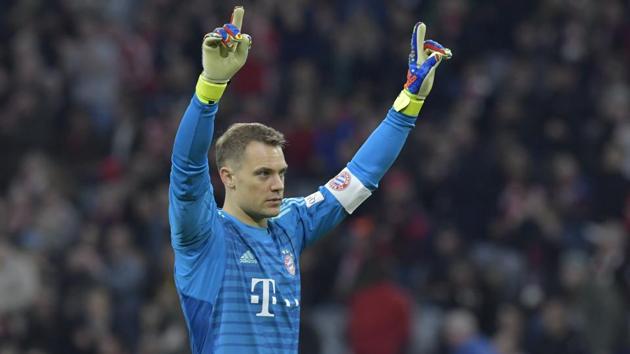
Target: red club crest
(289, 262)
(340, 182)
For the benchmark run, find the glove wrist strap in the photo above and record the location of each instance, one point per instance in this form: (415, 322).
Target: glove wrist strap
(408, 104)
(209, 92)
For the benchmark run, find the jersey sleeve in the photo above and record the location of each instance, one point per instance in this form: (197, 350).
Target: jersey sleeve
(192, 208)
(307, 219)
(381, 149)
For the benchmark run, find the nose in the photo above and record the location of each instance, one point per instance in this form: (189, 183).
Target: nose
(277, 185)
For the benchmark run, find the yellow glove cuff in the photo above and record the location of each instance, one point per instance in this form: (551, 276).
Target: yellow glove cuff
(209, 92)
(408, 104)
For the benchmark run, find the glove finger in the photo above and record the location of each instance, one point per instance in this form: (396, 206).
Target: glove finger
(232, 31)
(417, 38)
(219, 32)
(417, 74)
(234, 35)
(431, 46)
(212, 39)
(227, 40)
(243, 45)
(223, 42)
(432, 62)
(224, 51)
(427, 74)
(237, 17)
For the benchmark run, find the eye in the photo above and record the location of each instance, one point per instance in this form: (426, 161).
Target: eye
(262, 173)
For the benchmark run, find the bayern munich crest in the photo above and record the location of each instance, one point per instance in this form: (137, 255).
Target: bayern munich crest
(289, 262)
(340, 182)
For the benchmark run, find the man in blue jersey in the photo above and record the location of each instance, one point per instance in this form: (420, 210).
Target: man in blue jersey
(236, 268)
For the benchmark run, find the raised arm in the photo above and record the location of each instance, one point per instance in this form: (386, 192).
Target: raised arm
(191, 202)
(325, 208)
(382, 147)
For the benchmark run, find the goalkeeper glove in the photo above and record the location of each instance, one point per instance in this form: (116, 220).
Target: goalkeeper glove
(424, 58)
(223, 52)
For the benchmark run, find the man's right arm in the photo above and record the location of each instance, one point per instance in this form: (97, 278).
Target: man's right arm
(192, 208)
(191, 202)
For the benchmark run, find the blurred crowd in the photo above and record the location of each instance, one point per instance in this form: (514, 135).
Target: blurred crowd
(501, 229)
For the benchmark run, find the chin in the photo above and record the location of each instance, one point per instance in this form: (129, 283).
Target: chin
(271, 212)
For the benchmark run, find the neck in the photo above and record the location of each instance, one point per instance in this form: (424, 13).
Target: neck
(234, 210)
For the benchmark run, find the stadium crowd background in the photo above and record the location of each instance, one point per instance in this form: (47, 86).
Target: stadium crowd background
(503, 224)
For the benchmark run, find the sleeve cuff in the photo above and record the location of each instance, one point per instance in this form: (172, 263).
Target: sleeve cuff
(209, 92)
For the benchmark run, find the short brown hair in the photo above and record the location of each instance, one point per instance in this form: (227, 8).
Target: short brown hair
(231, 145)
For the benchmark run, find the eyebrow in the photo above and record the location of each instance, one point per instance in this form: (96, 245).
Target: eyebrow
(263, 168)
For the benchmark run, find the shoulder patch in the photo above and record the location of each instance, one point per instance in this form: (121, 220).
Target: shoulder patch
(313, 199)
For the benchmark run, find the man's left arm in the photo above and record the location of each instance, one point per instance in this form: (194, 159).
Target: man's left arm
(355, 183)
(324, 209)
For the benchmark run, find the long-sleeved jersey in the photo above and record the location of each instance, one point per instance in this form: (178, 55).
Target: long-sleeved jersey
(239, 285)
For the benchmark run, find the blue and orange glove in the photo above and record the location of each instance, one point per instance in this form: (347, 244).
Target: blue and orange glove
(424, 58)
(223, 52)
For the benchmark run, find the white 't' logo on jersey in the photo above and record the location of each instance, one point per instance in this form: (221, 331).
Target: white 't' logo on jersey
(255, 299)
(268, 295)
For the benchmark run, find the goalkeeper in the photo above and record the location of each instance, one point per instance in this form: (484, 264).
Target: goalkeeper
(236, 268)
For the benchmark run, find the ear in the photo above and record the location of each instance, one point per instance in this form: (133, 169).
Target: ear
(227, 177)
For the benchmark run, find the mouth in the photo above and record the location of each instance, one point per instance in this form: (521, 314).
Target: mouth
(275, 200)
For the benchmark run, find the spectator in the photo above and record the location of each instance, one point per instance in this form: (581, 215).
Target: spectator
(462, 334)
(380, 313)
(555, 333)
(19, 280)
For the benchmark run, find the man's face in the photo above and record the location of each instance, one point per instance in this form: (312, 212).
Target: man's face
(258, 181)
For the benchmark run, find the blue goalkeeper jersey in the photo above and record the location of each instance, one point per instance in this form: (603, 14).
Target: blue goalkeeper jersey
(239, 285)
